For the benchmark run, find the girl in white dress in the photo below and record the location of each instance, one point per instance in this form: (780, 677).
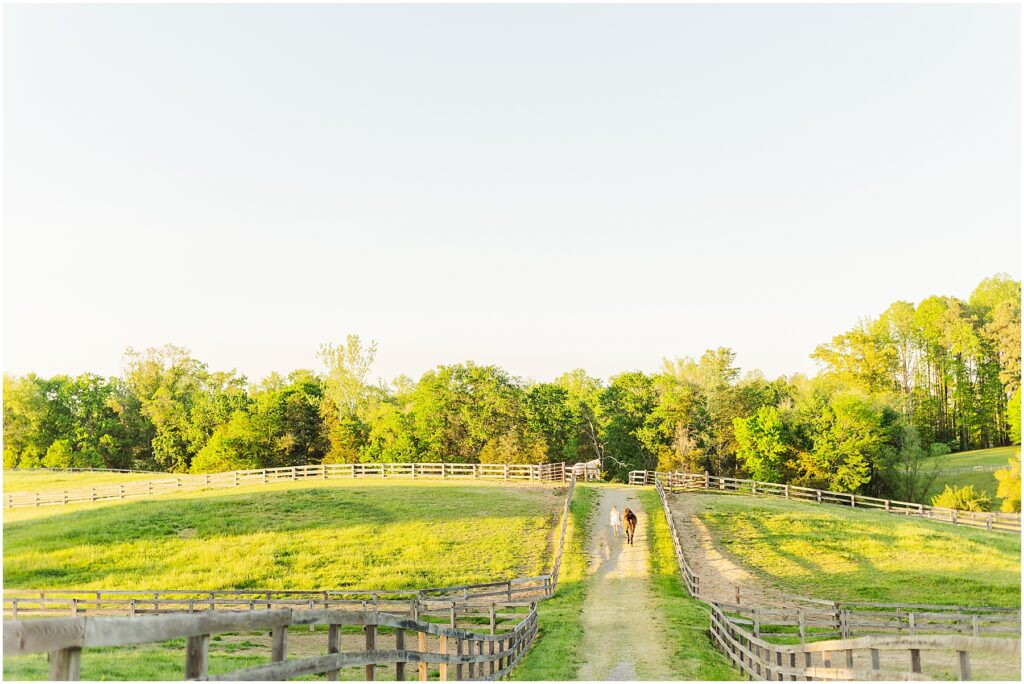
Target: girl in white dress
(615, 521)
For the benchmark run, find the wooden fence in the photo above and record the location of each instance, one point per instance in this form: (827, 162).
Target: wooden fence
(739, 629)
(996, 521)
(84, 470)
(859, 659)
(545, 472)
(971, 469)
(458, 653)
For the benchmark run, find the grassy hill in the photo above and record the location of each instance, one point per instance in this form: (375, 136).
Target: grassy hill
(982, 481)
(832, 552)
(288, 536)
(333, 534)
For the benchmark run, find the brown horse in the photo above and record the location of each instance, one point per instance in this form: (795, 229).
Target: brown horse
(629, 523)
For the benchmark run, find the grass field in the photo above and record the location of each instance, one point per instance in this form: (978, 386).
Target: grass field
(303, 535)
(981, 481)
(555, 655)
(685, 619)
(835, 553)
(43, 480)
(288, 536)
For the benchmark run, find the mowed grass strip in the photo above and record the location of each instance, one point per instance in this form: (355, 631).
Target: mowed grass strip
(555, 655)
(334, 534)
(835, 553)
(46, 480)
(686, 621)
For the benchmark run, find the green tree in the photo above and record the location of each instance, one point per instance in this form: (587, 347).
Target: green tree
(1009, 486)
(963, 499)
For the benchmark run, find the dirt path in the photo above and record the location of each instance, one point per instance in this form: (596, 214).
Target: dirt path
(719, 575)
(621, 624)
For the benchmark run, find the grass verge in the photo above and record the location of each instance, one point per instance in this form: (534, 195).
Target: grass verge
(685, 619)
(555, 655)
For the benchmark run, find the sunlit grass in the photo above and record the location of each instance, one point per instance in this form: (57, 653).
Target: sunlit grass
(834, 553)
(686, 621)
(555, 654)
(332, 534)
(982, 482)
(45, 480)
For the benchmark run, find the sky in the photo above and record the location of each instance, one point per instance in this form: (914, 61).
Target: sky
(539, 187)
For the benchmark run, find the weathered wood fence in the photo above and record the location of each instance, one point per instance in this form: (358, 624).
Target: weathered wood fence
(971, 469)
(545, 472)
(861, 659)
(739, 630)
(457, 653)
(996, 521)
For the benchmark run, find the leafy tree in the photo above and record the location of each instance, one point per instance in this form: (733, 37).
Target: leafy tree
(626, 403)
(1013, 417)
(1009, 486)
(766, 446)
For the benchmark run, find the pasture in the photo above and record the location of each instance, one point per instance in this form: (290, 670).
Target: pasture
(44, 480)
(834, 553)
(982, 481)
(308, 535)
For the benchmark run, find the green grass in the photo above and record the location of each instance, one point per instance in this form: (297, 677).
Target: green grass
(555, 655)
(996, 456)
(44, 480)
(835, 553)
(685, 620)
(288, 536)
(981, 481)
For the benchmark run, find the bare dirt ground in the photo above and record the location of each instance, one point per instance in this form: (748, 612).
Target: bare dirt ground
(719, 576)
(620, 612)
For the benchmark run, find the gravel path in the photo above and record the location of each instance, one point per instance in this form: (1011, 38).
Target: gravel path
(622, 636)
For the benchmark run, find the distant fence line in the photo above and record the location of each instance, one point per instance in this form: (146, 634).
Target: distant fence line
(997, 521)
(83, 470)
(738, 631)
(544, 472)
(971, 469)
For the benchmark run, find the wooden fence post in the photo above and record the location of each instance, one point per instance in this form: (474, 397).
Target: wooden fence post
(400, 646)
(915, 660)
(421, 642)
(371, 645)
(875, 660)
(197, 656)
(279, 643)
(458, 667)
(65, 664)
(442, 648)
(913, 629)
(965, 665)
(333, 646)
(975, 627)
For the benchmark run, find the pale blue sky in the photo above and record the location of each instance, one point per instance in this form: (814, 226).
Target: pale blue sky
(541, 187)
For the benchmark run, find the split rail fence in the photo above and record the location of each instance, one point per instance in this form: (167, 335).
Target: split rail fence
(996, 521)
(545, 472)
(740, 631)
(466, 654)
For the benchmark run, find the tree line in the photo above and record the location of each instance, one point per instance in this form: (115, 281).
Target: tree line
(894, 391)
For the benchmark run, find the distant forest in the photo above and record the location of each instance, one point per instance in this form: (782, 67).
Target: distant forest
(917, 381)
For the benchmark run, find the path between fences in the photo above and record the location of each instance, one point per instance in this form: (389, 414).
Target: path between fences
(621, 639)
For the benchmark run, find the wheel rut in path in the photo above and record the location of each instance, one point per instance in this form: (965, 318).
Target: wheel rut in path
(622, 628)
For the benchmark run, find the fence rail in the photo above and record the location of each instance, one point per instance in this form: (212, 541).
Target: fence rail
(84, 470)
(737, 629)
(996, 521)
(485, 656)
(545, 472)
(971, 469)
